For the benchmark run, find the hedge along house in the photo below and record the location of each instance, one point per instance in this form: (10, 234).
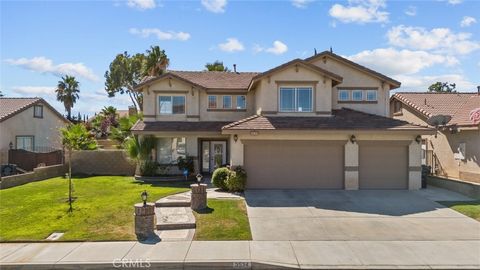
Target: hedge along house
(320, 122)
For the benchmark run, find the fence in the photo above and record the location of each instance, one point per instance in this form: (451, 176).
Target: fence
(28, 160)
(40, 173)
(101, 162)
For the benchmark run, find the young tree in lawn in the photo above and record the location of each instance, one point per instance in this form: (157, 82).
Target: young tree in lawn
(75, 137)
(126, 71)
(67, 93)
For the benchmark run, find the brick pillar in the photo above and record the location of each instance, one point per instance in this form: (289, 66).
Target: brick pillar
(351, 166)
(145, 221)
(199, 196)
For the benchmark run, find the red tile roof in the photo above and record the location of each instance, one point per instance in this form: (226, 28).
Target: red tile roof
(343, 119)
(208, 79)
(456, 105)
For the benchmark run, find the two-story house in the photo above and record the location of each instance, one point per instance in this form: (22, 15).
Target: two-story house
(321, 122)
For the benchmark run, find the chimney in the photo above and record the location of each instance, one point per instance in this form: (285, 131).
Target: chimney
(235, 68)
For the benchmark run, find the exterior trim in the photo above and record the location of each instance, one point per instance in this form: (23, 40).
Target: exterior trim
(357, 102)
(357, 88)
(415, 168)
(149, 115)
(170, 92)
(324, 112)
(296, 82)
(223, 92)
(351, 168)
(226, 110)
(269, 112)
(193, 116)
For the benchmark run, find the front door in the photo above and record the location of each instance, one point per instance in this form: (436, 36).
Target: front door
(214, 155)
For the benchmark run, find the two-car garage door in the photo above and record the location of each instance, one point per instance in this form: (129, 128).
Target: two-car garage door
(294, 164)
(276, 164)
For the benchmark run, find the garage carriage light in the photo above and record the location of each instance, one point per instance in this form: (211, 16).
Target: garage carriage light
(353, 139)
(418, 139)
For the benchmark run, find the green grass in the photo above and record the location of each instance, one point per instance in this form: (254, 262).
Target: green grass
(103, 209)
(223, 220)
(468, 208)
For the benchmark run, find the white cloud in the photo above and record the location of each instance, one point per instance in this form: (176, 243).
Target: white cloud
(439, 39)
(301, 3)
(360, 11)
(411, 11)
(45, 65)
(400, 62)
(421, 83)
(215, 6)
(454, 2)
(232, 45)
(141, 4)
(467, 21)
(161, 35)
(277, 48)
(34, 90)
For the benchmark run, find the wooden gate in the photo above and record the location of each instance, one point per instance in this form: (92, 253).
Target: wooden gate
(27, 160)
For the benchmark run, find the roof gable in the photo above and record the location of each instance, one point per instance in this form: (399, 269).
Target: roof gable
(10, 107)
(328, 54)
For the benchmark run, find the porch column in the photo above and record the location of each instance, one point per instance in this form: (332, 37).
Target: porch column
(351, 166)
(414, 165)
(236, 152)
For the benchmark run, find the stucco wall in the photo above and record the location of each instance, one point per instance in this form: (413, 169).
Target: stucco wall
(354, 78)
(40, 173)
(44, 129)
(445, 144)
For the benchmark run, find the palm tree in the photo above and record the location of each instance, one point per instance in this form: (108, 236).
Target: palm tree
(156, 61)
(216, 66)
(67, 93)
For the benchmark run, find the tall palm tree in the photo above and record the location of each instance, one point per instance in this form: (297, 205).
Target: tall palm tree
(67, 93)
(156, 61)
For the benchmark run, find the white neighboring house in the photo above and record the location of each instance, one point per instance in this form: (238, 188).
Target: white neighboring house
(30, 124)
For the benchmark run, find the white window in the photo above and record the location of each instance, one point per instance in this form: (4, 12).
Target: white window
(169, 149)
(343, 95)
(227, 102)
(241, 102)
(38, 111)
(357, 95)
(25, 142)
(296, 99)
(212, 102)
(371, 95)
(171, 104)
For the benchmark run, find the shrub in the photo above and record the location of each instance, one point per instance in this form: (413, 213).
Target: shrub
(237, 179)
(219, 178)
(149, 168)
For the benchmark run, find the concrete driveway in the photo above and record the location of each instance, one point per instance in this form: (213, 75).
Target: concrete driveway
(367, 215)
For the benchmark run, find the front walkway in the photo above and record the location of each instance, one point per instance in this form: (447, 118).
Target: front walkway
(246, 254)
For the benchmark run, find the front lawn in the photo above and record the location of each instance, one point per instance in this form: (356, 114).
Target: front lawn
(223, 220)
(468, 208)
(103, 209)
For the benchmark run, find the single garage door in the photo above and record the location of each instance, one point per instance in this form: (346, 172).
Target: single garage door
(383, 166)
(294, 164)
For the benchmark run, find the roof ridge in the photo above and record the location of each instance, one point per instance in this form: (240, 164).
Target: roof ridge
(411, 104)
(236, 123)
(212, 71)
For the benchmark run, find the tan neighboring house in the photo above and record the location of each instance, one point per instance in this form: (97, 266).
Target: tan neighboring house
(320, 122)
(454, 151)
(28, 123)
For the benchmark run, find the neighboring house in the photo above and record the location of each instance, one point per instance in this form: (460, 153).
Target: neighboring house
(28, 123)
(321, 122)
(455, 150)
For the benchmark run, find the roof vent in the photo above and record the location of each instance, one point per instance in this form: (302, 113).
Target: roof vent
(235, 68)
(478, 90)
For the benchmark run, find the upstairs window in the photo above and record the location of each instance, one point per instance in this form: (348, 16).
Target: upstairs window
(357, 95)
(296, 99)
(171, 104)
(212, 102)
(227, 102)
(241, 102)
(38, 111)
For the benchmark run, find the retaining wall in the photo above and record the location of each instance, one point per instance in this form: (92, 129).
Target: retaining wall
(101, 162)
(40, 173)
(469, 189)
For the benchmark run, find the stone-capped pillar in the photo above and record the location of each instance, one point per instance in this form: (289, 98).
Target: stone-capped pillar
(145, 220)
(351, 166)
(199, 196)
(414, 165)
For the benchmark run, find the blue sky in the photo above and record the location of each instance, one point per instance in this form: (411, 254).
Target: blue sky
(416, 43)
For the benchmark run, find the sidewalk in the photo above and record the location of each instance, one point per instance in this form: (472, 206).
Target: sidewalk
(243, 255)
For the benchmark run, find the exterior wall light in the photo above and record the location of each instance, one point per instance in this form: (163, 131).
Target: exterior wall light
(144, 197)
(418, 139)
(254, 133)
(353, 139)
(235, 138)
(199, 178)
(10, 145)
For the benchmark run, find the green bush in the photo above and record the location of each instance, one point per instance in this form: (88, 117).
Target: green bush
(237, 179)
(149, 168)
(219, 178)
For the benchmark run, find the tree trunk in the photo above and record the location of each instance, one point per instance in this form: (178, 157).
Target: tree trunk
(70, 180)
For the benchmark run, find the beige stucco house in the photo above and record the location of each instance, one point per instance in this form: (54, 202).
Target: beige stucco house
(30, 124)
(320, 122)
(454, 151)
